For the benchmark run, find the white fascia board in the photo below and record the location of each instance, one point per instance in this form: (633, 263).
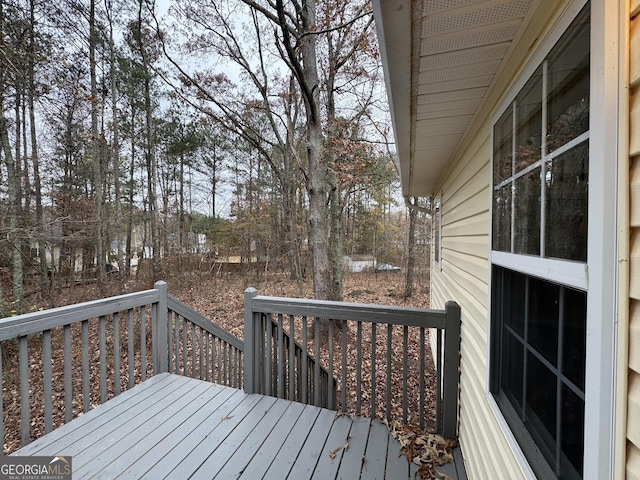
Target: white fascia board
(393, 27)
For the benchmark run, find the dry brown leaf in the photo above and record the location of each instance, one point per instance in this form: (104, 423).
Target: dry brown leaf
(426, 450)
(332, 453)
(443, 476)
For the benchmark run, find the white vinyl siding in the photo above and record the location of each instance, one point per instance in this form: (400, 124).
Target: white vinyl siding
(465, 247)
(633, 399)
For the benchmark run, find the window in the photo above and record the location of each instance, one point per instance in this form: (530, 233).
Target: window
(539, 250)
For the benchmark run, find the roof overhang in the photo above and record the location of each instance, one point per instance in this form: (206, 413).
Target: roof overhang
(440, 60)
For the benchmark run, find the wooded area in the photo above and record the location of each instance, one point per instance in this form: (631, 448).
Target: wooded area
(140, 139)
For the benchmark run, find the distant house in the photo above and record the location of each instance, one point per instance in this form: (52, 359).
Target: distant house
(359, 263)
(521, 120)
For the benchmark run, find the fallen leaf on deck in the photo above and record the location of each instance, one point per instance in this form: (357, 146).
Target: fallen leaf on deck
(427, 450)
(332, 453)
(443, 476)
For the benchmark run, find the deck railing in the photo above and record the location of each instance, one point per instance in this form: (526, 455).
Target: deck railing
(200, 349)
(348, 340)
(79, 356)
(279, 366)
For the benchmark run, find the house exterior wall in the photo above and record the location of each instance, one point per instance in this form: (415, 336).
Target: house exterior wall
(464, 274)
(633, 403)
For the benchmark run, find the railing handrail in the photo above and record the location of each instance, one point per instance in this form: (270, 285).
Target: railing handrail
(201, 321)
(446, 320)
(154, 306)
(35, 322)
(257, 371)
(363, 312)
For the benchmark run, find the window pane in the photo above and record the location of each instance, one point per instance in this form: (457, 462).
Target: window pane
(502, 219)
(575, 339)
(566, 180)
(512, 368)
(541, 401)
(568, 66)
(529, 122)
(544, 309)
(503, 147)
(551, 409)
(527, 215)
(514, 313)
(572, 432)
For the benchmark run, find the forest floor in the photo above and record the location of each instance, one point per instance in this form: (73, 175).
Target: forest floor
(220, 298)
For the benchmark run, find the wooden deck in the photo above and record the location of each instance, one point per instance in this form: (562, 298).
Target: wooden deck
(176, 427)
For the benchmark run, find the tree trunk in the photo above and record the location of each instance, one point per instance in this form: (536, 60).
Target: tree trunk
(95, 152)
(181, 222)
(12, 188)
(289, 205)
(37, 185)
(152, 167)
(335, 207)
(129, 247)
(317, 171)
(335, 239)
(116, 148)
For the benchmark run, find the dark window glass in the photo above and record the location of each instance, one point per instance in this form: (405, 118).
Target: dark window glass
(528, 106)
(567, 183)
(568, 66)
(541, 399)
(572, 430)
(502, 219)
(562, 180)
(539, 384)
(575, 336)
(542, 325)
(527, 213)
(512, 368)
(503, 148)
(516, 303)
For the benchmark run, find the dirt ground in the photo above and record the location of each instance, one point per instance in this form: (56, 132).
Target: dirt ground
(221, 298)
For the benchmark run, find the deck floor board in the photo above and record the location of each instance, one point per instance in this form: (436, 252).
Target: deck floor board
(375, 457)
(290, 450)
(159, 454)
(178, 428)
(264, 457)
(126, 435)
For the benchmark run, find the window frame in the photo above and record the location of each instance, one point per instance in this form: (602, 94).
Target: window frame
(599, 276)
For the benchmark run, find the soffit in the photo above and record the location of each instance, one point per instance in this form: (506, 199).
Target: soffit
(441, 58)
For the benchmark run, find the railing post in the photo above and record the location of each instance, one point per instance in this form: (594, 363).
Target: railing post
(251, 336)
(159, 333)
(451, 373)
